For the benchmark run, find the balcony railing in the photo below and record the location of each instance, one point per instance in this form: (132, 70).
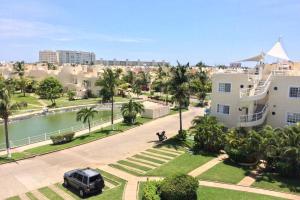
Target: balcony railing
(254, 119)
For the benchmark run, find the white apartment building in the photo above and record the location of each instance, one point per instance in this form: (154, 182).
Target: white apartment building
(66, 56)
(48, 56)
(268, 94)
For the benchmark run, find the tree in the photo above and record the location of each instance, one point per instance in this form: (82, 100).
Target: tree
(6, 108)
(137, 87)
(129, 77)
(86, 115)
(208, 134)
(179, 88)
(23, 83)
(50, 88)
(130, 110)
(19, 68)
(109, 82)
(144, 78)
(71, 95)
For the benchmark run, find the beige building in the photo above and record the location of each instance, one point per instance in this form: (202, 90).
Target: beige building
(267, 94)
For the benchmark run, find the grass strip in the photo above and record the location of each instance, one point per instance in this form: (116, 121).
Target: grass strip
(14, 198)
(31, 196)
(149, 159)
(115, 183)
(162, 153)
(59, 185)
(125, 169)
(50, 194)
(140, 161)
(156, 156)
(143, 168)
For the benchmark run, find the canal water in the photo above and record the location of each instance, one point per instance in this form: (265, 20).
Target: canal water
(45, 124)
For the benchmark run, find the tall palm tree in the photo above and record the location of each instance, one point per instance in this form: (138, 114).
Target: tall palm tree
(86, 115)
(179, 87)
(109, 82)
(130, 110)
(6, 108)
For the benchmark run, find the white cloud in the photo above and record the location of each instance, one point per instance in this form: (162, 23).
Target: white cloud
(24, 29)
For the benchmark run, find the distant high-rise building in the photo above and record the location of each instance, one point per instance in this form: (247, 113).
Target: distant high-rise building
(65, 56)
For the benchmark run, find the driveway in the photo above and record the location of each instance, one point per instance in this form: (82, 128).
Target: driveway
(30, 174)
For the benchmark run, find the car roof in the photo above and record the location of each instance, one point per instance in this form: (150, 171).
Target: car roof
(89, 172)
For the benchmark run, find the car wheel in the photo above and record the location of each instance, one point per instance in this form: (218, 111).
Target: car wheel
(66, 184)
(81, 193)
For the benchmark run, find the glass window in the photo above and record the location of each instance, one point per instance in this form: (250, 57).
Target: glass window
(224, 109)
(224, 87)
(84, 180)
(79, 177)
(295, 92)
(94, 178)
(293, 118)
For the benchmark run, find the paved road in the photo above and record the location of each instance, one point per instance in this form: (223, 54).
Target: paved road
(20, 177)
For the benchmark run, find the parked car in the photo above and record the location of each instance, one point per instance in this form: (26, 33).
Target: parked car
(85, 181)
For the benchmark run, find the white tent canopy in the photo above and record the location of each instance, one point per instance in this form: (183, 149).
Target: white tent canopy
(277, 51)
(257, 58)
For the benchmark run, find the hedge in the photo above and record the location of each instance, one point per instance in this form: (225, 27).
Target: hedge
(62, 138)
(150, 190)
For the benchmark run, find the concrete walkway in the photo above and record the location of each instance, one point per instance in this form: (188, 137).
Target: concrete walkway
(37, 172)
(203, 168)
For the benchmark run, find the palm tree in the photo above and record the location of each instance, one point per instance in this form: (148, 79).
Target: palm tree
(130, 110)
(109, 83)
(208, 133)
(19, 68)
(179, 88)
(6, 108)
(86, 115)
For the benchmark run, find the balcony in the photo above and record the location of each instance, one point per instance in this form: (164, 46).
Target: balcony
(255, 119)
(259, 92)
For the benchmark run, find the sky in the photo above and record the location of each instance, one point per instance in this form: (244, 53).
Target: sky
(212, 31)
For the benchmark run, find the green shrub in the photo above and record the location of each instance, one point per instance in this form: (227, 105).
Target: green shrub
(62, 138)
(179, 187)
(181, 135)
(150, 190)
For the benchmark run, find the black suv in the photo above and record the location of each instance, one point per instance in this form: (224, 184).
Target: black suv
(85, 181)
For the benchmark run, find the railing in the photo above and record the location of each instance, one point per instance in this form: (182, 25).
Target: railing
(254, 117)
(256, 92)
(46, 136)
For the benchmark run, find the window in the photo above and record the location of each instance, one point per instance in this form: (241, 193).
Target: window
(79, 177)
(294, 92)
(84, 180)
(293, 118)
(223, 109)
(224, 87)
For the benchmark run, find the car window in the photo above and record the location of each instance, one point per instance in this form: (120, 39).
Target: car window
(94, 178)
(84, 180)
(79, 177)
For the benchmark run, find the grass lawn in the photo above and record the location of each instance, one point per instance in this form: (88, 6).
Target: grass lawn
(15, 157)
(275, 182)
(210, 193)
(50, 194)
(181, 164)
(225, 172)
(31, 196)
(115, 193)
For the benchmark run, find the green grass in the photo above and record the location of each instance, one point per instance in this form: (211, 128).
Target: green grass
(156, 156)
(210, 193)
(50, 194)
(31, 196)
(130, 171)
(140, 161)
(96, 135)
(15, 157)
(175, 110)
(130, 164)
(14, 198)
(115, 193)
(162, 153)
(148, 159)
(225, 172)
(181, 164)
(275, 182)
